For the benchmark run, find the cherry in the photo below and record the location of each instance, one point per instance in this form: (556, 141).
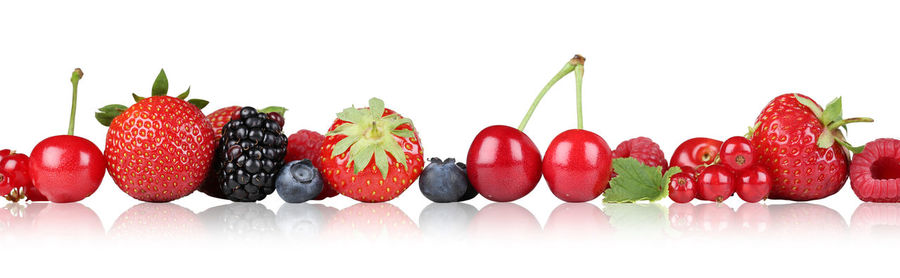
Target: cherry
(754, 184)
(695, 152)
(503, 164)
(716, 183)
(577, 165)
(736, 153)
(67, 168)
(682, 188)
(16, 164)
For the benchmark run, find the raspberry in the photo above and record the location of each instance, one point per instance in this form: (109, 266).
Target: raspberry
(875, 173)
(644, 150)
(307, 144)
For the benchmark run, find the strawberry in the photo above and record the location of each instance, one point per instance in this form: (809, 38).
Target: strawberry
(358, 135)
(217, 120)
(795, 140)
(160, 148)
(307, 144)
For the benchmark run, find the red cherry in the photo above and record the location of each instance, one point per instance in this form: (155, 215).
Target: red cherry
(67, 168)
(577, 165)
(754, 184)
(695, 152)
(681, 188)
(716, 183)
(503, 163)
(17, 165)
(737, 153)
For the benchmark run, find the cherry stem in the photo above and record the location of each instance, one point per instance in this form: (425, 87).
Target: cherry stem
(579, 77)
(569, 67)
(76, 76)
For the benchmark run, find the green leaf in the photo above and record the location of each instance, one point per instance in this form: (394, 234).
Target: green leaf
(361, 156)
(405, 133)
(809, 104)
(161, 85)
(637, 182)
(107, 113)
(343, 145)
(381, 161)
(397, 123)
(352, 115)
(185, 94)
(833, 113)
(394, 149)
(376, 107)
(277, 109)
(198, 102)
(826, 139)
(136, 97)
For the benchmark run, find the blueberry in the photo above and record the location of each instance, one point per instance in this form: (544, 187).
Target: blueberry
(445, 181)
(298, 181)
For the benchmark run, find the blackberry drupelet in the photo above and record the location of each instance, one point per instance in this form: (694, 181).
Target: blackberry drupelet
(250, 154)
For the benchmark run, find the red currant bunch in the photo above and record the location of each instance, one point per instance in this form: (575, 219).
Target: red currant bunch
(733, 171)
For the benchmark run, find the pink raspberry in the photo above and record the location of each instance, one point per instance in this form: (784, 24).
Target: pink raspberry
(875, 173)
(644, 150)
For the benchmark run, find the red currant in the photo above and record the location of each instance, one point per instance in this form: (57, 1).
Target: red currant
(736, 153)
(681, 188)
(6, 184)
(16, 164)
(753, 184)
(716, 183)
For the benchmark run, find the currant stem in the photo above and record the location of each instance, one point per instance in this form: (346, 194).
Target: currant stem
(569, 67)
(579, 76)
(76, 76)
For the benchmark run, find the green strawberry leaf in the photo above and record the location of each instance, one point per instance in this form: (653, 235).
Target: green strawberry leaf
(198, 102)
(161, 85)
(107, 113)
(277, 109)
(637, 182)
(832, 113)
(809, 104)
(136, 97)
(376, 107)
(185, 94)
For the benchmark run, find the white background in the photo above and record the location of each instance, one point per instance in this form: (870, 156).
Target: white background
(668, 70)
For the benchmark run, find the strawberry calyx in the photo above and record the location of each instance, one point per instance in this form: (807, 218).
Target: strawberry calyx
(369, 133)
(106, 114)
(833, 120)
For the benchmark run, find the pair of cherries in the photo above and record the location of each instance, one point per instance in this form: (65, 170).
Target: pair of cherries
(503, 164)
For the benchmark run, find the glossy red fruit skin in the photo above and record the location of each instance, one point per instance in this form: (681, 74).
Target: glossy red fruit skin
(785, 144)
(737, 153)
(695, 152)
(716, 183)
(66, 168)
(17, 166)
(682, 188)
(503, 164)
(753, 184)
(577, 165)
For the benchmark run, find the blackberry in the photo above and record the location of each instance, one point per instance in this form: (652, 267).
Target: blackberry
(250, 154)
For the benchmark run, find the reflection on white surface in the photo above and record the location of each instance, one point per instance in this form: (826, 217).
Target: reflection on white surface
(154, 221)
(500, 222)
(240, 221)
(446, 221)
(504, 222)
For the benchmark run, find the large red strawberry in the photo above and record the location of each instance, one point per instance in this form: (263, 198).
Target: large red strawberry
(160, 148)
(803, 147)
(371, 154)
(217, 120)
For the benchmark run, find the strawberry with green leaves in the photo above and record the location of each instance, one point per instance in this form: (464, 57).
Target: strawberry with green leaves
(159, 149)
(803, 147)
(371, 154)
